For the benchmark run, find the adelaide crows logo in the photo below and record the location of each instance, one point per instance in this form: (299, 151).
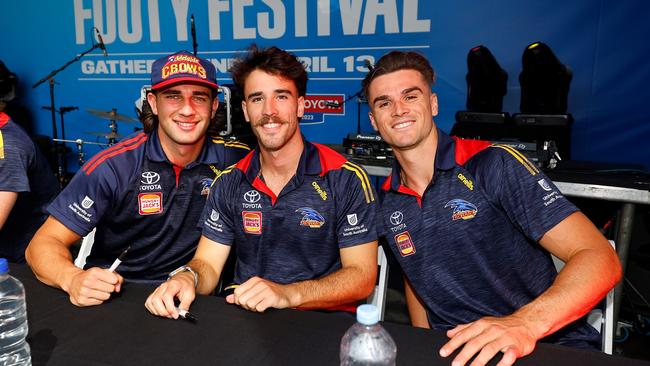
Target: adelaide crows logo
(462, 209)
(311, 218)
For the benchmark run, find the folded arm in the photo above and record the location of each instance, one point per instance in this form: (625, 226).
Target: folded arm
(354, 281)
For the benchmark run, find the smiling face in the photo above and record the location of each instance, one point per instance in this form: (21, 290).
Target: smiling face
(401, 108)
(273, 108)
(184, 113)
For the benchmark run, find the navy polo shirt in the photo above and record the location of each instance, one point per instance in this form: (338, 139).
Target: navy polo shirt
(24, 170)
(469, 245)
(136, 197)
(328, 205)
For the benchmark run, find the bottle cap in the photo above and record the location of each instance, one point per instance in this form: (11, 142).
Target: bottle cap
(4, 266)
(367, 314)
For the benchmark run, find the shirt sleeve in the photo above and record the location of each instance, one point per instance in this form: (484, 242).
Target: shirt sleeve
(356, 207)
(217, 220)
(529, 198)
(85, 200)
(14, 163)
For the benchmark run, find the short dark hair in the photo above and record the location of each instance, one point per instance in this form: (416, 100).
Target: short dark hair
(399, 60)
(271, 60)
(150, 121)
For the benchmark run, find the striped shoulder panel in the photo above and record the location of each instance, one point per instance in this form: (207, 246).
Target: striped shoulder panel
(229, 143)
(117, 149)
(363, 177)
(2, 146)
(532, 169)
(222, 173)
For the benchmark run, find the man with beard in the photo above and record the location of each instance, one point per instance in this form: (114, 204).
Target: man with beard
(145, 193)
(301, 217)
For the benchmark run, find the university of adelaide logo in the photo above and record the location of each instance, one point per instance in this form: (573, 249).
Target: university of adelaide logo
(311, 218)
(150, 203)
(404, 244)
(462, 209)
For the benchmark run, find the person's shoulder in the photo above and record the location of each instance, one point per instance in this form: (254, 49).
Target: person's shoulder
(227, 144)
(125, 153)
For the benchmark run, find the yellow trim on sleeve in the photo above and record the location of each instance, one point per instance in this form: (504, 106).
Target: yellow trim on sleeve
(363, 177)
(532, 169)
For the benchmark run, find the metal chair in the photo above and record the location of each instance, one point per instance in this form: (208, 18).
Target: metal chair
(601, 319)
(378, 296)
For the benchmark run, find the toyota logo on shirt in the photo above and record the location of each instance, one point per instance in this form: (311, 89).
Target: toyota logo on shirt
(252, 196)
(396, 218)
(150, 178)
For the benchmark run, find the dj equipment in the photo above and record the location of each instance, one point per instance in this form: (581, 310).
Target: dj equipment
(368, 149)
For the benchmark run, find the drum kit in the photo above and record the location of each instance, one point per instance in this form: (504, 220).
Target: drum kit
(112, 136)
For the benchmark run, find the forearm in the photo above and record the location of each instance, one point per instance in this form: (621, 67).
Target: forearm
(347, 285)
(417, 312)
(51, 261)
(581, 284)
(7, 202)
(208, 278)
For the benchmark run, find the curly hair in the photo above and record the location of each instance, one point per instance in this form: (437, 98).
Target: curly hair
(399, 60)
(150, 121)
(271, 60)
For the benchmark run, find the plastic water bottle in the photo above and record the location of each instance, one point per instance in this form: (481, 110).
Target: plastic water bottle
(14, 350)
(367, 342)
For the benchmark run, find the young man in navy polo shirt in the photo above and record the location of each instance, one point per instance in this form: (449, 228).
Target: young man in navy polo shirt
(473, 233)
(27, 184)
(145, 193)
(301, 218)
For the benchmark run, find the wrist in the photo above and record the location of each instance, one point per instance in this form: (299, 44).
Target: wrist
(67, 276)
(186, 271)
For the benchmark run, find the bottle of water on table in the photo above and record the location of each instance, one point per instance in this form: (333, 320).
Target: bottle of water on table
(367, 342)
(14, 350)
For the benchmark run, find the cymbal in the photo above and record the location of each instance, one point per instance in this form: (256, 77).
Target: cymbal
(106, 135)
(111, 115)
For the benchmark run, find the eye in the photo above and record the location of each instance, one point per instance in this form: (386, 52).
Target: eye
(256, 99)
(200, 99)
(411, 97)
(172, 97)
(283, 97)
(383, 104)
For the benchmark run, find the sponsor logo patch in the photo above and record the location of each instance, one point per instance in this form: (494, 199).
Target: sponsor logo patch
(252, 196)
(544, 184)
(87, 203)
(252, 221)
(311, 218)
(150, 203)
(206, 183)
(396, 217)
(352, 219)
(214, 215)
(404, 244)
(462, 209)
(468, 183)
(150, 178)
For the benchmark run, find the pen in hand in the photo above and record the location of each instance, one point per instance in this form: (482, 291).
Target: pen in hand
(119, 260)
(186, 314)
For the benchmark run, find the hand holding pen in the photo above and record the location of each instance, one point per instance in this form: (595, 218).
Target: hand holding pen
(95, 285)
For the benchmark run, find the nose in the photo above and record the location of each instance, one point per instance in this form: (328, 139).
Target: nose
(400, 108)
(187, 107)
(269, 108)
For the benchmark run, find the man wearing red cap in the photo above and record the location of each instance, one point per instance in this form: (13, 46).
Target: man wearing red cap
(145, 193)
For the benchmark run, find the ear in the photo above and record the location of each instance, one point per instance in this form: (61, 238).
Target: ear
(434, 104)
(243, 108)
(151, 98)
(301, 106)
(215, 105)
(372, 121)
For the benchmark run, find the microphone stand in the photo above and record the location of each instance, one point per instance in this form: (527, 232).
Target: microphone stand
(50, 78)
(360, 100)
